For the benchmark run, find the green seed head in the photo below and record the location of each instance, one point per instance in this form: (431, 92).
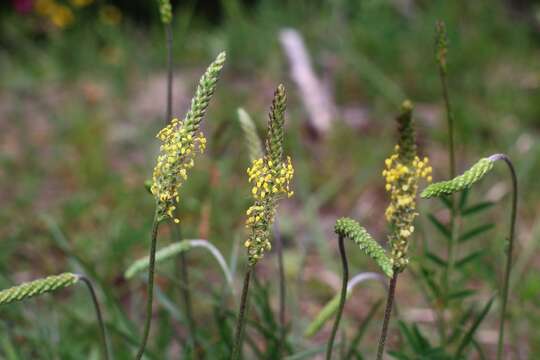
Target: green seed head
(271, 176)
(205, 90)
(165, 10)
(276, 129)
(37, 287)
(461, 182)
(253, 141)
(181, 141)
(349, 228)
(441, 45)
(407, 134)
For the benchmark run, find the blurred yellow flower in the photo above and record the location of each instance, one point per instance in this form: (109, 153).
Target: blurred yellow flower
(81, 3)
(110, 14)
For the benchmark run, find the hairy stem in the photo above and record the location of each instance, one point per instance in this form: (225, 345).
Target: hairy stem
(279, 250)
(387, 315)
(343, 296)
(169, 37)
(240, 322)
(150, 291)
(99, 315)
(506, 283)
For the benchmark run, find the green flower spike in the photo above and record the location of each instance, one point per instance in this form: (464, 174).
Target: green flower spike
(349, 228)
(461, 182)
(253, 142)
(271, 176)
(181, 141)
(165, 10)
(441, 45)
(37, 287)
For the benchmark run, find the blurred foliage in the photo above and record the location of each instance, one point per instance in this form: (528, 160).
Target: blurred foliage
(79, 107)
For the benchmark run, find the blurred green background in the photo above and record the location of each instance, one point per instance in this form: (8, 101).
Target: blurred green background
(82, 93)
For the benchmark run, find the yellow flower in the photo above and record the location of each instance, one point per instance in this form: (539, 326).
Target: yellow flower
(270, 181)
(175, 159)
(403, 170)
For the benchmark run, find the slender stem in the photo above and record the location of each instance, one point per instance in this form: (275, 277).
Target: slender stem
(185, 292)
(387, 315)
(150, 291)
(240, 322)
(98, 315)
(169, 36)
(454, 222)
(450, 124)
(509, 251)
(343, 296)
(279, 250)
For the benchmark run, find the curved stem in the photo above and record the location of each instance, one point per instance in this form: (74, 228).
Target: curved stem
(387, 315)
(98, 315)
(343, 296)
(219, 258)
(239, 333)
(506, 283)
(150, 291)
(169, 37)
(279, 250)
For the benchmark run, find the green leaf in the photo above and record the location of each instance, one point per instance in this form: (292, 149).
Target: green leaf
(469, 258)
(476, 208)
(457, 295)
(477, 231)
(469, 336)
(362, 329)
(427, 276)
(436, 259)
(442, 228)
(447, 202)
(409, 337)
(463, 199)
(398, 355)
(460, 324)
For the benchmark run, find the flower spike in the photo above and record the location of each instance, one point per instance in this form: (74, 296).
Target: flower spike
(271, 177)
(181, 141)
(461, 182)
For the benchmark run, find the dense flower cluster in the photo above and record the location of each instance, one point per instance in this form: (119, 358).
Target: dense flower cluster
(175, 159)
(270, 182)
(402, 185)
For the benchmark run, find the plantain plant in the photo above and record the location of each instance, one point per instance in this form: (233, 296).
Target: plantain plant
(181, 142)
(271, 176)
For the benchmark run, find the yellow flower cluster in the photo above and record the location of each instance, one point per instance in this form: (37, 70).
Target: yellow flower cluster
(402, 185)
(175, 159)
(60, 15)
(270, 182)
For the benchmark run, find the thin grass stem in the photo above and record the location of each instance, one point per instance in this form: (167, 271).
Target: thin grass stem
(509, 250)
(169, 39)
(150, 291)
(279, 250)
(240, 322)
(343, 296)
(99, 316)
(387, 315)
